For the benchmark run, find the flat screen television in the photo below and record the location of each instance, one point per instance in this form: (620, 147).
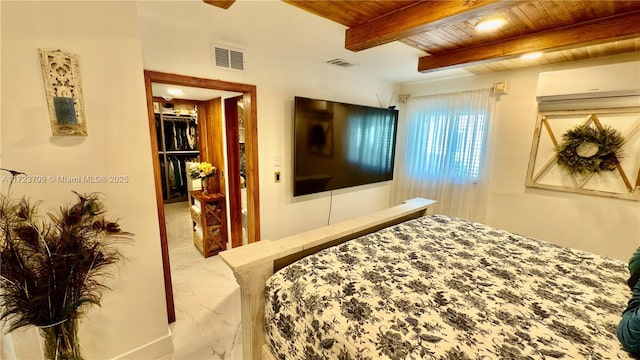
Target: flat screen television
(338, 145)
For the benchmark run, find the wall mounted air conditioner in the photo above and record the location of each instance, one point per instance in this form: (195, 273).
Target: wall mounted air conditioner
(604, 81)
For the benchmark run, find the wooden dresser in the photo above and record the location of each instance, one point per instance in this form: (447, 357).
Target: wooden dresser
(210, 218)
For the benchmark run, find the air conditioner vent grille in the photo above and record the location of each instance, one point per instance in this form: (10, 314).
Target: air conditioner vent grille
(228, 58)
(237, 60)
(221, 57)
(340, 62)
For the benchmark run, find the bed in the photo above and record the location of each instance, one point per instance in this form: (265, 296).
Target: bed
(405, 284)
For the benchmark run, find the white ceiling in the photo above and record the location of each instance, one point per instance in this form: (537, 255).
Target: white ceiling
(276, 27)
(190, 93)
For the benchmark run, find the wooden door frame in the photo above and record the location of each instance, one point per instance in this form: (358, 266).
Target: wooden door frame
(251, 154)
(233, 167)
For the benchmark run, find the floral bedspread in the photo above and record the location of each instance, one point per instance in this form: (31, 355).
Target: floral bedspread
(443, 288)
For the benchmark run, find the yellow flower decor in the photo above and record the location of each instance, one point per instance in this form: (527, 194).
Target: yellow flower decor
(202, 170)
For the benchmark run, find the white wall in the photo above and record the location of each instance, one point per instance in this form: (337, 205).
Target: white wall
(105, 37)
(601, 225)
(114, 46)
(169, 44)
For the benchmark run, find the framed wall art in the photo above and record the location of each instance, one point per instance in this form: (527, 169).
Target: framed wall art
(61, 75)
(595, 152)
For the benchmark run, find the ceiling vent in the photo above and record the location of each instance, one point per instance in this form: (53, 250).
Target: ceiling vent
(340, 62)
(228, 58)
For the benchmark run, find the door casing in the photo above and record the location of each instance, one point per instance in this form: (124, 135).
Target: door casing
(251, 154)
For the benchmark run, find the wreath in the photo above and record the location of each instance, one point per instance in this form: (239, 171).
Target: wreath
(586, 150)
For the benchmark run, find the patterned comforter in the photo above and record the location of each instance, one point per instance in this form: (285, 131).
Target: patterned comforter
(443, 288)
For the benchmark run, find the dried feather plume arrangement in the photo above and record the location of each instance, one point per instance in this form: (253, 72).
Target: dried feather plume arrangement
(53, 268)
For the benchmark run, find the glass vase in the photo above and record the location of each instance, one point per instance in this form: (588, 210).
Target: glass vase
(61, 341)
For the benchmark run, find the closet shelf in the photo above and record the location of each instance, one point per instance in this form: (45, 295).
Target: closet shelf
(169, 115)
(178, 117)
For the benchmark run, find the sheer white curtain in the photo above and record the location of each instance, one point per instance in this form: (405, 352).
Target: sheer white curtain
(445, 156)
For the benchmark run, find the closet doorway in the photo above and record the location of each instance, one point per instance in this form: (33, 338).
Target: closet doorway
(211, 128)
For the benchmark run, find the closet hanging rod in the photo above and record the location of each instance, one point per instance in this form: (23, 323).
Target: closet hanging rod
(182, 152)
(191, 118)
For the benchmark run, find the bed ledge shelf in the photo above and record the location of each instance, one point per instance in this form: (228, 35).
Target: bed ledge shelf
(253, 264)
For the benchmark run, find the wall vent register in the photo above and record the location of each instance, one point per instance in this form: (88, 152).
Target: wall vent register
(228, 58)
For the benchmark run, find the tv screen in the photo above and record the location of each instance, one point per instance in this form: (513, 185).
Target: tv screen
(340, 145)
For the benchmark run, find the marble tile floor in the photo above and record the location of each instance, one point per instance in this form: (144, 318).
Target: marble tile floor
(206, 297)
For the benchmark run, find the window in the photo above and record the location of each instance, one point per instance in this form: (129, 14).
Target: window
(446, 144)
(463, 146)
(444, 155)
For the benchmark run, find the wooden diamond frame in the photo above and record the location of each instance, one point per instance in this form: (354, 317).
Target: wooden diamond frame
(544, 173)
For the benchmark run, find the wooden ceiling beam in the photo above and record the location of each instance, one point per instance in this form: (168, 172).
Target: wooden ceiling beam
(612, 28)
(224, 4)
(417, 18)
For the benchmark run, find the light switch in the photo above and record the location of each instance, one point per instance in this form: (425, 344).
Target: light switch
(277, 176)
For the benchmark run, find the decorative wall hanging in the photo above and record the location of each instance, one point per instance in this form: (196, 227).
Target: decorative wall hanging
(598, 153)
(61, 75)
(587, 150)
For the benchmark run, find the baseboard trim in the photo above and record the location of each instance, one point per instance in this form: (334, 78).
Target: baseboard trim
(152, 350)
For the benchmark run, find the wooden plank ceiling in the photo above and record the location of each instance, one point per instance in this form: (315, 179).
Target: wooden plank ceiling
(564, 30)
